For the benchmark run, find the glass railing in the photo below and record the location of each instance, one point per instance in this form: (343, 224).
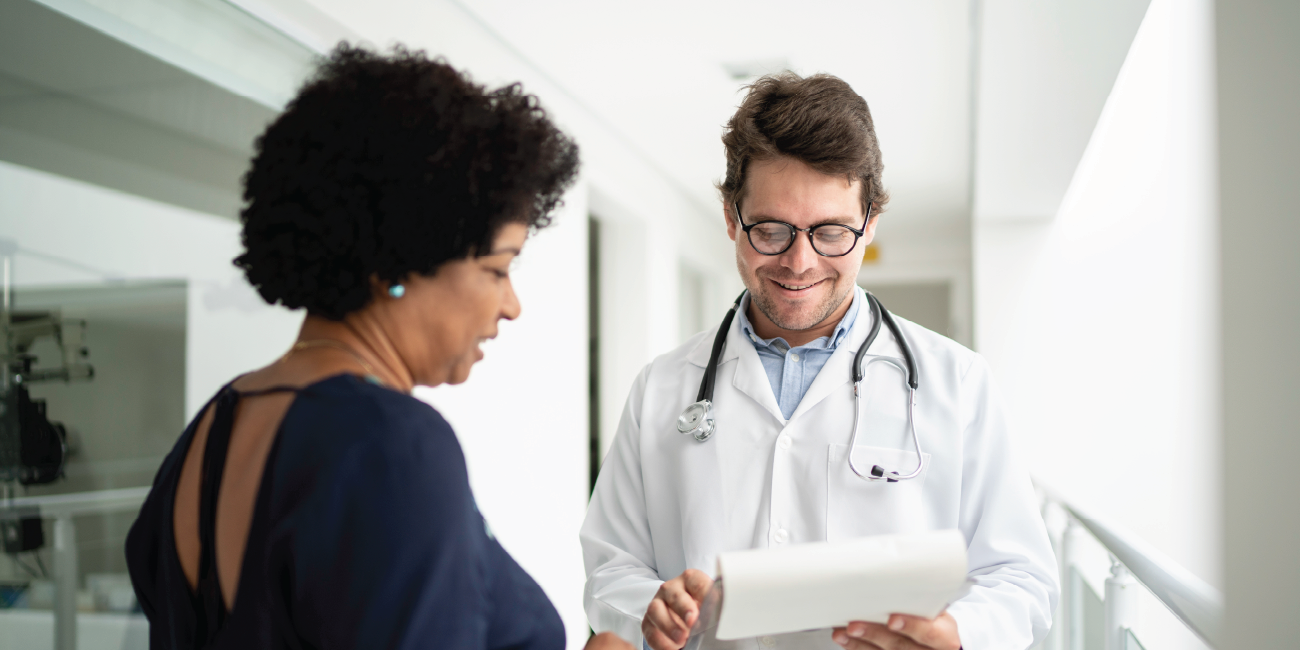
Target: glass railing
(1087, 620)
(97, 608)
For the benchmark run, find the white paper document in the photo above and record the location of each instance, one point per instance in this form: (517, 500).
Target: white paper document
(829, 584)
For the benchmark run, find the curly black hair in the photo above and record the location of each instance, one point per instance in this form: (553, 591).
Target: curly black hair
(387, 165)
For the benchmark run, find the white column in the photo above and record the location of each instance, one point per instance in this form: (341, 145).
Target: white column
(1121, 604)
(1055, 637)
(1071, 623)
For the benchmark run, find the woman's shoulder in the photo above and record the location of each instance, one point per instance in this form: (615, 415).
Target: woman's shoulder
(366, 410)
(346, 425)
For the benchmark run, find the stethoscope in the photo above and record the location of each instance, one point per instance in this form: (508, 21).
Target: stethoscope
(698, 421)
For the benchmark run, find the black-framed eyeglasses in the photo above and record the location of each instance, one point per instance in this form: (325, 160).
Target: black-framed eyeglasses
(827, 239)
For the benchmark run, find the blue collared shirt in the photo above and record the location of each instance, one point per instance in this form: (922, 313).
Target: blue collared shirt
(791, 371)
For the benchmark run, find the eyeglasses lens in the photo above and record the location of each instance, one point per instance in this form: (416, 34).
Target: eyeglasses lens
(771, 238)
(833, 240)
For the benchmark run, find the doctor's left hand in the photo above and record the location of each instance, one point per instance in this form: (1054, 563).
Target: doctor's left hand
(674, 610)
(903, 632)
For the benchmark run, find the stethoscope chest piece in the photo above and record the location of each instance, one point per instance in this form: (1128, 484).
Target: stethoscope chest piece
(695, 420)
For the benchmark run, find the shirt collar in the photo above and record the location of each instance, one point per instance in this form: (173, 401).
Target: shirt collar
(841, 330)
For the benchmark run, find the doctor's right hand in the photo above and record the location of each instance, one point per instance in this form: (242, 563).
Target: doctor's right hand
(674, 610)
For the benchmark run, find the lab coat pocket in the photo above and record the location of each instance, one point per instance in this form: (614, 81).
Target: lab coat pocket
(856, 507)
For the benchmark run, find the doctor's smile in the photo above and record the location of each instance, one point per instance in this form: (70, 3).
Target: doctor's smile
(796, 288)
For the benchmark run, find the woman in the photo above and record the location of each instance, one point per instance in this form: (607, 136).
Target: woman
(314, 502)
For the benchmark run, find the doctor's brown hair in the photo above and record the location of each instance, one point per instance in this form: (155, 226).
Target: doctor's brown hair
(818, 120)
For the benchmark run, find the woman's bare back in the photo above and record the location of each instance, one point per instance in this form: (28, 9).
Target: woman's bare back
(256, 421)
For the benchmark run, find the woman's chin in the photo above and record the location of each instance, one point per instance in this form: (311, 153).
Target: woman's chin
(460, 372)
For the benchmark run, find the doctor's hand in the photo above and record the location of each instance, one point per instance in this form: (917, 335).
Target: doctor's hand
(675, 608)
(903, 632)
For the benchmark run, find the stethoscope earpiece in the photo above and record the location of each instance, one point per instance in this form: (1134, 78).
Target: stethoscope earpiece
(878, 472)
(697, 421)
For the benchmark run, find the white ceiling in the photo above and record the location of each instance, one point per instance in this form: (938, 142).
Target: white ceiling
(656, 72)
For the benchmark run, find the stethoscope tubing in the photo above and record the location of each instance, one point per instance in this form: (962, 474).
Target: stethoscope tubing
(697, 420)
(878, 315)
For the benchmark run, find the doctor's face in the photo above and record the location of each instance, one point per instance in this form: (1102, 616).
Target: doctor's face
(798, 293)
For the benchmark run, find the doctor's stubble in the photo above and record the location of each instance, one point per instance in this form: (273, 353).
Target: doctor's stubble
(765, 303)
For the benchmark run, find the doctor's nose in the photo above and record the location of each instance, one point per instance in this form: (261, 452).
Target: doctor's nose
(800, 256)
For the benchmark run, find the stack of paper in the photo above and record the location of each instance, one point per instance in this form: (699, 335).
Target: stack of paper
(829, 584)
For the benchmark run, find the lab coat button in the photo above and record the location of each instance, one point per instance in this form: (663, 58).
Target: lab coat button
(769, 641)
(782, 536)
(784, 443)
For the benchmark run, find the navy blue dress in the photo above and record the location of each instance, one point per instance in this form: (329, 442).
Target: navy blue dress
(364, 535)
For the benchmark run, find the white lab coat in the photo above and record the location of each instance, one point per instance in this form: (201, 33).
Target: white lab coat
(665, 503)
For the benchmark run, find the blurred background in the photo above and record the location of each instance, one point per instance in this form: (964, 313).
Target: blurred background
(1097, 195)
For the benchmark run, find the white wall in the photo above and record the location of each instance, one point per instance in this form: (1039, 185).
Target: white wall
(1100, 322)
(1044, 70)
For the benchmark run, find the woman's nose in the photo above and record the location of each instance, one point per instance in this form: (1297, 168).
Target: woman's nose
(510, 308)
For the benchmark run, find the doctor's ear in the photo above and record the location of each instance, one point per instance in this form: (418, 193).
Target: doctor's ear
(730, 219)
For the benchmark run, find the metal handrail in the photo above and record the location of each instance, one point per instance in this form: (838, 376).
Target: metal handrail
(1193, 601)
(77, 503)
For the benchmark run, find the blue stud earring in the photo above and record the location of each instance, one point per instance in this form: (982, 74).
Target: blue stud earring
(397, 291)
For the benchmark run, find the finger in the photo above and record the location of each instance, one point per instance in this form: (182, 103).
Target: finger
(682, 604)
(657, 640)
(915, 628)
(840, 635)
(661, 618)
(939, 633)
(879, 635)
(697, 583)
(861, 629)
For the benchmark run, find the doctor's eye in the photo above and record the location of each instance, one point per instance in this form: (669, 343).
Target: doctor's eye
(832, 235)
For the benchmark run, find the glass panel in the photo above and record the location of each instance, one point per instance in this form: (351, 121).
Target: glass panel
(119, 424)
(1094, 618)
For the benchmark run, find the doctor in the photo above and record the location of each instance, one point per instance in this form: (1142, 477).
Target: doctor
(775, 472)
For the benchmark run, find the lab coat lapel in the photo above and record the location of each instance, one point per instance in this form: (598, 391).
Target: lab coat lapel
(750, 377)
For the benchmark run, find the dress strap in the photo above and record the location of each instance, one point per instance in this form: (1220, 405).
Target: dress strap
(209, 605)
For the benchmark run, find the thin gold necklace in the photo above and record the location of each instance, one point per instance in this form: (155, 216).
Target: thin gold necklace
(372, 376)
